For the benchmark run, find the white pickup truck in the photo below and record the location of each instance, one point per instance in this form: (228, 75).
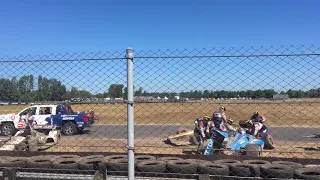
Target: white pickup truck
(45, 117)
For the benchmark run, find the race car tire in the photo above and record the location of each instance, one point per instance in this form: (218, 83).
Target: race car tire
(293, 165)
(14, 162)
(269, 142)
(213, 169)
(253, 150)
(244, 170)
(227, 161)
(69, 128)
(140, 158)
(117, 165)
(8, 129)
(169, 158)
(276, 171)
(307, 173)
(256, 162)
(40, 162)
(151, 166)
(182, 166)
(68, 163)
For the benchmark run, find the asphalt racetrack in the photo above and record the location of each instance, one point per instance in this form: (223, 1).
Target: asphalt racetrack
(292, 134)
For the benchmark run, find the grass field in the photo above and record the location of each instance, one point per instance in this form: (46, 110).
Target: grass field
(277, 113)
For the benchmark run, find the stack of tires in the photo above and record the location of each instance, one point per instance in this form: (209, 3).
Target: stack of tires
(151, 164)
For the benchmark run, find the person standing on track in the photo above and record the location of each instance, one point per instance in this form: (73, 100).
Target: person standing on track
(201, 131)
(257, 117)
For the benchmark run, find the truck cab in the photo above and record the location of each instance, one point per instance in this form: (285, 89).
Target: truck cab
(60, 116)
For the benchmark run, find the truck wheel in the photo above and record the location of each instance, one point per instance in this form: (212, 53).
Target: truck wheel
(8, 129)
(69, 128)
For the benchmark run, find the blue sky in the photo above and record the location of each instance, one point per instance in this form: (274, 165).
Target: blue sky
(44, 27)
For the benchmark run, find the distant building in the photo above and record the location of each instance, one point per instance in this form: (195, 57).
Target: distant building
(280, 96)
(144, 98)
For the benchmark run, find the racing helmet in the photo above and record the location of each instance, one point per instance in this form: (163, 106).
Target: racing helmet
(206, 118)
(29, 110)
(250, 122)
(230, 121)
(256, 113)
(223, 108)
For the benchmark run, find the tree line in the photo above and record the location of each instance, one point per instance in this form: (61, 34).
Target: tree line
(25, 90)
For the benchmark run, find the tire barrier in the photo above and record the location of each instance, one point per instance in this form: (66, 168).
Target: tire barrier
(168, 158)
(276, 171)
(214, 169)
(256, 162)
(167, 165)
(227, 161)
(140, 158)
(294, 165)
(182, 166)
(40, 162)
(307, 173)
(244, 170)
(16, 162)
(65, 163)
(151, 166)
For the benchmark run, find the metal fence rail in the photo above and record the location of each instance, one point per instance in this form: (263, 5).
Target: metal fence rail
(146, 102)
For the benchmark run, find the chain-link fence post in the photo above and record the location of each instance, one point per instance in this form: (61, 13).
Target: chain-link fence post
(129, 55)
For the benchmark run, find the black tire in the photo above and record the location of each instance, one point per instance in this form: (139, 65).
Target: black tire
(39, 162)
(269, 142)
(244, 170)
(117, 165)
(115, 157)
(214, 169)
(293, 165)
(151, 166)
(307, 173)
(69, 128)
(8, 129)
(198, 161)
(253, 150)
(14, 162)
(256, 162)
(140, 158)
(68, 156)
(227, 161)
(276, 171)
(182, 166)
(169, 158)
(67, 163)
(91, 157)
(90, 164)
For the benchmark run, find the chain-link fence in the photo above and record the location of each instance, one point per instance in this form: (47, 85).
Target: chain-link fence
(70, 112)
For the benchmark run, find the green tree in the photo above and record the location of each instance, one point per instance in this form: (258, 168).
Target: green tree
(116, 90)
(206, 94)
(138, 92)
